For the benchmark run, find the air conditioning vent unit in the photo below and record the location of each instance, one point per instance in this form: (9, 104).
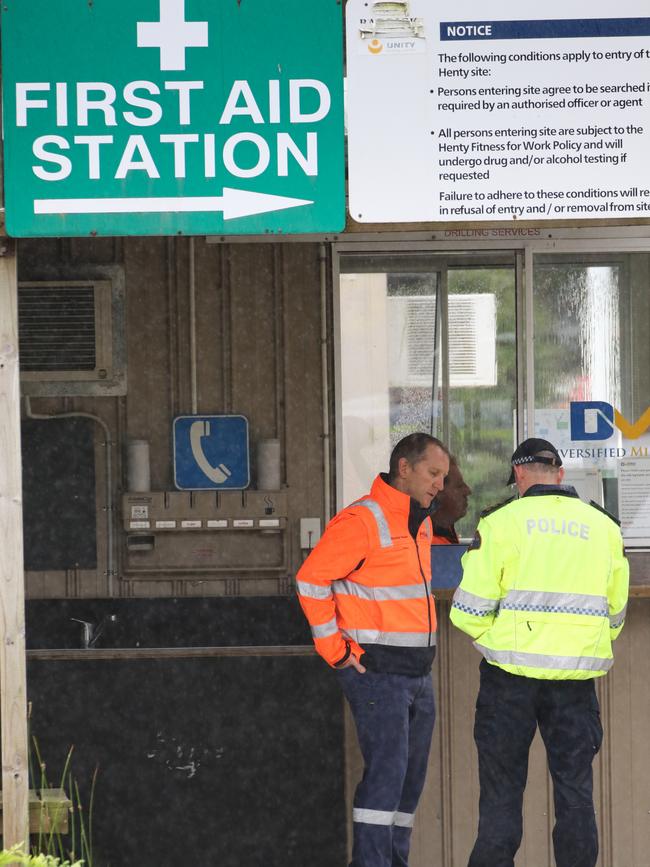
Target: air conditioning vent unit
(472, 340)
(71, 338)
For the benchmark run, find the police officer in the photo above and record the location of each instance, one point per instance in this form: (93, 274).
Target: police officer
(543, 594)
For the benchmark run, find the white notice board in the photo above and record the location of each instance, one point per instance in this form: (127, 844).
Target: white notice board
(634, 501)
(536, 113)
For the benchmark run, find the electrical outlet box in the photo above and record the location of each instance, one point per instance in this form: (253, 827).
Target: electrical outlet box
(309, 532)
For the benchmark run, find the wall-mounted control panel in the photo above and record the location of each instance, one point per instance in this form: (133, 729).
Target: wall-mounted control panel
(189, 533)
(182, 511)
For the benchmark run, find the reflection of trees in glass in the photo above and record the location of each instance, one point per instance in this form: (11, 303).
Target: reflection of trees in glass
(576, 333)
(404, 283)
(410, 411)
(560, 295)
(482, 418)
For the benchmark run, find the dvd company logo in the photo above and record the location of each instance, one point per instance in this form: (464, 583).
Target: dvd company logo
(596, 420)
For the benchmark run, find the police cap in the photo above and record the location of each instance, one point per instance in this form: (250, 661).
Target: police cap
(529, 452)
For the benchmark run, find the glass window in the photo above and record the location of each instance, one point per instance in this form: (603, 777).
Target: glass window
(482, 382)
(389, 361)
(427, 343)
(592, 355)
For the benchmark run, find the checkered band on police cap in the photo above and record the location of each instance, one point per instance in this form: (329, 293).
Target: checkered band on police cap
(529, 452)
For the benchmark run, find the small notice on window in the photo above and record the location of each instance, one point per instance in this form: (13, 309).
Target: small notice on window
(634, 501)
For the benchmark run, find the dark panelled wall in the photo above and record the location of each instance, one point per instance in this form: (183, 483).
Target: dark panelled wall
(258, 353)
(203, 758)
(60, 531)
(229, 761)
(225, 762)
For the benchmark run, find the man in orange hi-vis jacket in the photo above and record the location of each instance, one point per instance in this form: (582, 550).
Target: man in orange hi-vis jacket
(366, 592)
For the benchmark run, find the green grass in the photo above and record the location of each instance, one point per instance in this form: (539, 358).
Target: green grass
(63, 849)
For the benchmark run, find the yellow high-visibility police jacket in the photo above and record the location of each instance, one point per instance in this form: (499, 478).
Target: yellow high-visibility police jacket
(545, 585)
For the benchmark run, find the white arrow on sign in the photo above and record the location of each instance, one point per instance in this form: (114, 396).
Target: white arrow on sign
(233, 203)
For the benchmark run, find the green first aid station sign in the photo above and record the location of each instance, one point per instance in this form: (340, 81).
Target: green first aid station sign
(161, 117)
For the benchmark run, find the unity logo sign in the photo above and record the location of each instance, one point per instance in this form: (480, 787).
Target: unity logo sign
(596, 420)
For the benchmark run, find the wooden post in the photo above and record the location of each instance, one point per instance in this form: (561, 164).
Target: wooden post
(13, 689)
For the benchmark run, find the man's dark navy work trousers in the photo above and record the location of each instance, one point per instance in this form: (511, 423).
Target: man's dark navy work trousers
(394, 716)
(508, 710)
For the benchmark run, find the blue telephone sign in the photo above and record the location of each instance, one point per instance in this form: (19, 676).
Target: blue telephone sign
(211, 452)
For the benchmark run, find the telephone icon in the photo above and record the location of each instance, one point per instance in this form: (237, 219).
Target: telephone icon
(218, 474)
(211, 452)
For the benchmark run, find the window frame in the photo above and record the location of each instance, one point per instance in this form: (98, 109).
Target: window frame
(603, 242)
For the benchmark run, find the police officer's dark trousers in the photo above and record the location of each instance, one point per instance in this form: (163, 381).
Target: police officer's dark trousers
(508, 710)
(394, 716)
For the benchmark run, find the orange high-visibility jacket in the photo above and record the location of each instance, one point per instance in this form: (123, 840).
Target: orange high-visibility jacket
(445, 536)
(367, 581)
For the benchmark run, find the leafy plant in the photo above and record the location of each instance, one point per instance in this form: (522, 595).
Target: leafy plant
(16, 855)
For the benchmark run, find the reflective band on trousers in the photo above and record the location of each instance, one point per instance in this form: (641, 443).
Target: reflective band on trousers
(555, 603)
(379, 594)
(542, 660)
(404, 820)
(616, 620)
(314, 591)
(382, 524)
(382, 817)
(479, 606)
(325, 629)
(393, 639)
(372, 817)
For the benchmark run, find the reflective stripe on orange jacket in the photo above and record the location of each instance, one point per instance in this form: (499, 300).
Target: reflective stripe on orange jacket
(367, 581)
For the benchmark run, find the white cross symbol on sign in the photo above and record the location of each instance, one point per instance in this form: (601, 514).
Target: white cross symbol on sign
(172, 34)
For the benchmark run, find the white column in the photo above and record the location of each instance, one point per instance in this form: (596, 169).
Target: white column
(13, 690)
